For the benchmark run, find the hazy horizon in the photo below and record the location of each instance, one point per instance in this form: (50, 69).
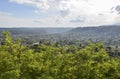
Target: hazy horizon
(58, 13)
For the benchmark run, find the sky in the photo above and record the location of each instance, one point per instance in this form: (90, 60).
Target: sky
(59, 13)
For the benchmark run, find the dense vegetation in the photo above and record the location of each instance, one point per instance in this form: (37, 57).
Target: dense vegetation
(42, 61)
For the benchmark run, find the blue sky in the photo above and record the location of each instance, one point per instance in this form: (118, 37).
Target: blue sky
(58, 13)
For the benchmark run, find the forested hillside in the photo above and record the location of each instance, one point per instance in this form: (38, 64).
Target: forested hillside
(42, 61)
(109, 34)
(31, 35)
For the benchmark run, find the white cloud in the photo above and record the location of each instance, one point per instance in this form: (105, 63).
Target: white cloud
(74, 12)
(5, 13)
(96, 12)
(78, 19)
(40, 4)
(7, 20)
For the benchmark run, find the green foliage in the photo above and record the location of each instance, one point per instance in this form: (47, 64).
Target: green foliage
(51, 62)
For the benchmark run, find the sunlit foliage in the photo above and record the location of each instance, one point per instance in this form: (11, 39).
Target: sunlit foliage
(50, 62)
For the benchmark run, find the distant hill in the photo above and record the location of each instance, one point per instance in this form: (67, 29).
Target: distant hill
(34, 34)
(24, 31)
(56, 30)
(109, 33)
(37, 31)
